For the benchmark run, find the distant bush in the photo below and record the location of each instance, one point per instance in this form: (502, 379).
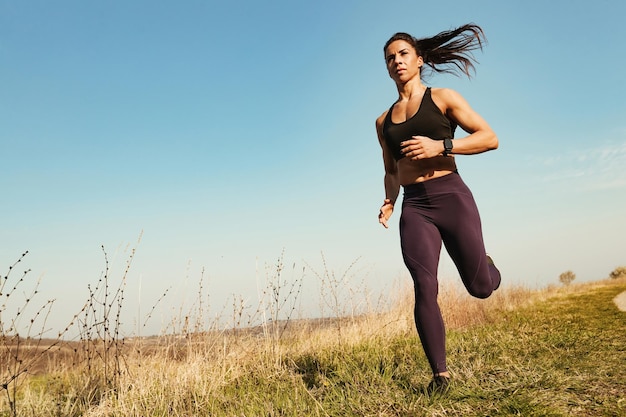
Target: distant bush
(567, 277)
(618, 272)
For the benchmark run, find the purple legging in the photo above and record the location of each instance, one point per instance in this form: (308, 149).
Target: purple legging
(442, 209)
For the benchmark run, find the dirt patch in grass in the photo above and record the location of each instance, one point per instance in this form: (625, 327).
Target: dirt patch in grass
(620, 301)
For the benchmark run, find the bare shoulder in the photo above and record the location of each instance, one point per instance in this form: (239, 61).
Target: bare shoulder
(446, 95)
(381, 120)
(447, 99)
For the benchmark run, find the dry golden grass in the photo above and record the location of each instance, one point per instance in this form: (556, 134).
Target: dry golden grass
(189, 374)
(459, 309)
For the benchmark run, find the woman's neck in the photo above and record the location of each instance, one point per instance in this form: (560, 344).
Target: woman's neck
(410, 89)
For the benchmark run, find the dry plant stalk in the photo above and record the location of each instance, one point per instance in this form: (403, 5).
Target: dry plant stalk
(22, 346)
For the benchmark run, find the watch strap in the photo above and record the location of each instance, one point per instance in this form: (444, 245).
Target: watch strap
(447, 146)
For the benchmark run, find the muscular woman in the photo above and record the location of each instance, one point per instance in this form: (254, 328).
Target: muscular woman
(418, 144)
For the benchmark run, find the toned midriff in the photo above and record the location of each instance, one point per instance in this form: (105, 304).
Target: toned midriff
(410, 172)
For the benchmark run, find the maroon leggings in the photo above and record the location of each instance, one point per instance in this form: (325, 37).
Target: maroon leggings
(435, 211)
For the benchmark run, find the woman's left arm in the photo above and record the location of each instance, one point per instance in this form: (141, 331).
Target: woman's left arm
(481, 138)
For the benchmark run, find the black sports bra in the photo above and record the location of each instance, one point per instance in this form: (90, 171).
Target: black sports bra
(428, 121)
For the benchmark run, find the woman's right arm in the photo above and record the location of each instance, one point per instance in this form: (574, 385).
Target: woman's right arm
(391, 181)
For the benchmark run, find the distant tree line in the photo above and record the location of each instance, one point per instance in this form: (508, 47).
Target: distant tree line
(568, 277)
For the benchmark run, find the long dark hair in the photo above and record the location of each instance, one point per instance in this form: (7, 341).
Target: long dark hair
(449, 51)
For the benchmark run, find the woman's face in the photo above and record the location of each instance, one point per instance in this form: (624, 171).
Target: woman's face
(403, 63)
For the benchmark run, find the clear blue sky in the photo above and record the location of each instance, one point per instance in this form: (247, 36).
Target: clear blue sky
(230, 131)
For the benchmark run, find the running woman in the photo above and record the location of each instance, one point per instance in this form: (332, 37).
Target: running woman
(419, 147)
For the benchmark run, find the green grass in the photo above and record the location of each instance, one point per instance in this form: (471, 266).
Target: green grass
(561, 355)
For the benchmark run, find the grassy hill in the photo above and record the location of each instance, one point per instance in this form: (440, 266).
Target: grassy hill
(556, 352)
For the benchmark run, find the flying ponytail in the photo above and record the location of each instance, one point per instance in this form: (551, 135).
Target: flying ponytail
(449, 51)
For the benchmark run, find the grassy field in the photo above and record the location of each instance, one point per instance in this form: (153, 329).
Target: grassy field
(555, 352)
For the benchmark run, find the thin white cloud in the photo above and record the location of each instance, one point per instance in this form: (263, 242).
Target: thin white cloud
(599, 167)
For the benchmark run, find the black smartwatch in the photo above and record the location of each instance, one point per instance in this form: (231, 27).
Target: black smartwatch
(447, 147)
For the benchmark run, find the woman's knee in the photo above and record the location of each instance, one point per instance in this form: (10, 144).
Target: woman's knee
(480, 292)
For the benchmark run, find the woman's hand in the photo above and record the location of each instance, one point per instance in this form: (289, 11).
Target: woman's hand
(385, 212)
(421, 147)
